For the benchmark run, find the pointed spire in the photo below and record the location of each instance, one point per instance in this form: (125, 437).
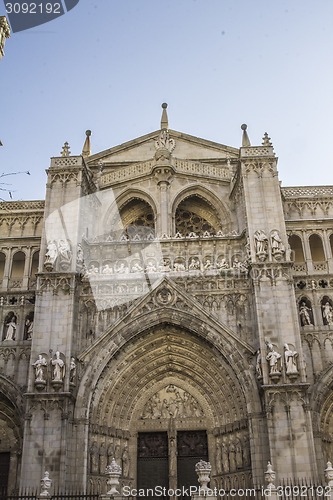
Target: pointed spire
(266, 141)
(65, 150)
(86, 147)
(245, 139)
(164, 119)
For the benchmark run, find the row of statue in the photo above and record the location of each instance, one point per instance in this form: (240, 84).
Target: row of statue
(275, 361)
(172, 401)
(10, 326)
(58, 369)
(306, 313)
(100, 456)
(262, 243)
(59, 255)
(231, 456)
(194, 264)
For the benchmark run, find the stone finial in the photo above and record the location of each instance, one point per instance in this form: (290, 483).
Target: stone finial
(45, 484)
(245, 138)
(164, 119)
(270, 476)
(65, 150)
(203, 469)
(266, 141)
(86, 151)
(114, 472)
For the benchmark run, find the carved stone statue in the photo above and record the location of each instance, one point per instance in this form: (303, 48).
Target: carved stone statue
(304, 312)
(40, 366)
(125, 462)
(273, 359)
(51, 253)
(72, 371)
(58, 368)
(10, 325)
(327, 313)
(290, 358)
(258, 364)
(277, 246)
(29, 326)
(261, 244)
(65, 254)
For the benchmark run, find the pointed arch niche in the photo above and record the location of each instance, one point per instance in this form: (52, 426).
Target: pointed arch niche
(166, 380)
(194, 214)
(133, 219)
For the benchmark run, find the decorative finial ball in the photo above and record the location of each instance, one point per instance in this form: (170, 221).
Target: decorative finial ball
(88, 133)
(164, 105)
(244, 126)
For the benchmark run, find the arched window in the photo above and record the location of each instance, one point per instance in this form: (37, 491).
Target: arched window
(34, 265)
(317, 249)
(135, 221)
(195, 215)
(18, 264)
(296, 246)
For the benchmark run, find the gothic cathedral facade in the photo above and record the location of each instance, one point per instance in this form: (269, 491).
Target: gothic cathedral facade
(168, 302)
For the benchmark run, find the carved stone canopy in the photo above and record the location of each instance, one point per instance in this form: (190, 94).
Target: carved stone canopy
(171, 401)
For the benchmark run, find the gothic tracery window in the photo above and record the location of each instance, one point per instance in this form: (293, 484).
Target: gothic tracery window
(197, 216)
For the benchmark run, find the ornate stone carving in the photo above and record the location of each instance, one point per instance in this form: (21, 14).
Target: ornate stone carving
(261, 244)
(10, 326)
(51, 255)
(45, 484)
(327, 311)
(72, 371)
(277, 247)
(305, 314)
(40, 368)
(274, 360)
(65, 255)
(290, 358)
(164, 141)
(59, 369)
(172, 402)
(114, 472)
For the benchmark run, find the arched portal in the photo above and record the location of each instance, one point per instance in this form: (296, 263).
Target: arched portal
(165, 400)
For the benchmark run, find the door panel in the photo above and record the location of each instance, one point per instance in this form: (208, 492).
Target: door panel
(153, 467)
(191, 447)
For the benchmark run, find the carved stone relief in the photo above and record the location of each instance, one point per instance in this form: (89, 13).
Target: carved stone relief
(172, 402)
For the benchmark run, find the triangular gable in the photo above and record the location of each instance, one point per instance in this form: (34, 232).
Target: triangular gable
(165, 296)
(143, 149)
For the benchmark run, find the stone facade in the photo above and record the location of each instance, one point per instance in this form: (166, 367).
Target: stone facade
(168, 301)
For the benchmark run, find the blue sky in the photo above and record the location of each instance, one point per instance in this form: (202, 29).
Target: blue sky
(107, 65)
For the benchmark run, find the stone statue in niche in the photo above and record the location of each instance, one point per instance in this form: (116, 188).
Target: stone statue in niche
(261, 244)
(278, 248)
(79, 258)
(72, 371)
(274, 360)
(218, 457)
(40, 366)
(10, 326)
(290, 358)
(327, 310)
(258, 365)
(305, 313)
(125, 462)
(58, 368)
(65, 255)
(29, 326)
(51, 255)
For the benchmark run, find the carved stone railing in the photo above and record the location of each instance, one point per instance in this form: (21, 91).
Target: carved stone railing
(202, 169)
(15, 283)
(9, 206)
(320, 266)
(128, 172)
(299, 268)
(307, 191)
